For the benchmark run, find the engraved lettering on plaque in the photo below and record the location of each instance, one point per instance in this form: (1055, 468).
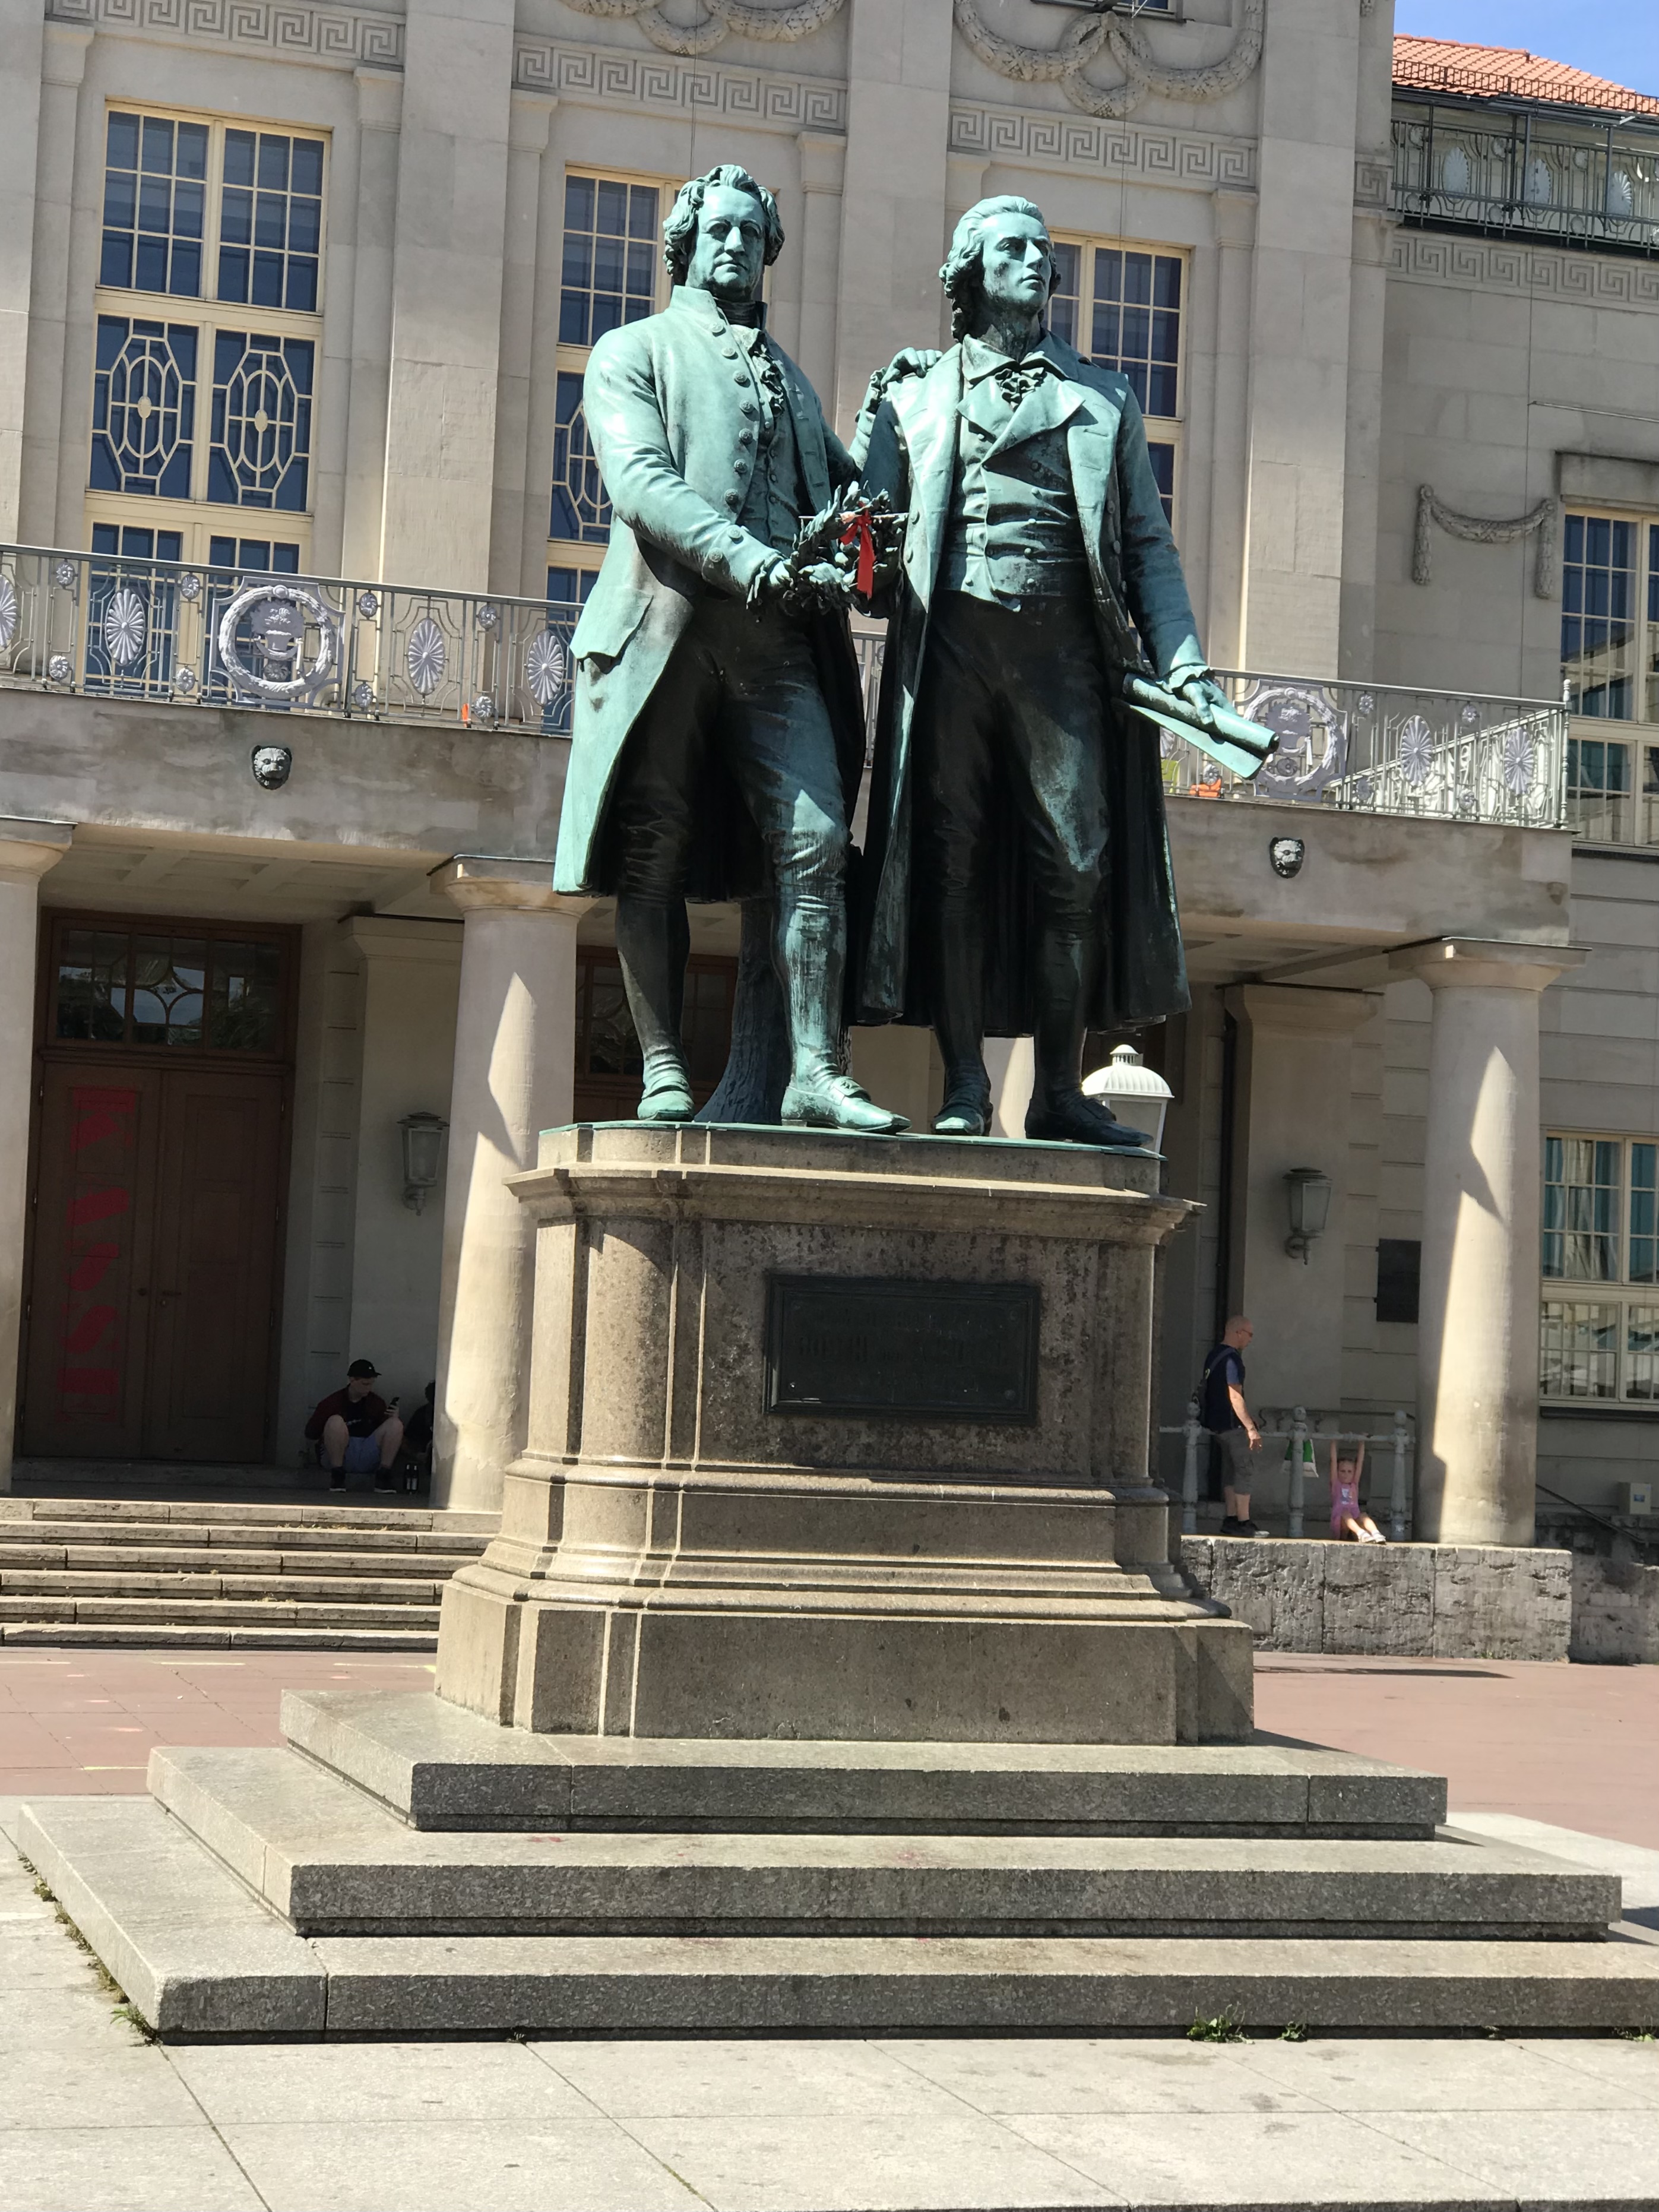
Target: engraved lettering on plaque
(872, 1347)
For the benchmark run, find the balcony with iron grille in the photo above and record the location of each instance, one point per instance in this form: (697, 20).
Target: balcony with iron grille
(1492, 170)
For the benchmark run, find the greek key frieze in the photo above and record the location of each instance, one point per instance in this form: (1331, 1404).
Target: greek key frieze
(349, 37)
(1040, 139)
(607, 76)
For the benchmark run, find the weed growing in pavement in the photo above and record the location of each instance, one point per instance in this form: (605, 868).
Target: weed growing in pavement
(1294, 2031)
(130, 2016)
(106, 1981)
(1638, 2035)
(1224, 2028)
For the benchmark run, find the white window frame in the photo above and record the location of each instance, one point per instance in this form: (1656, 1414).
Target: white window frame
(583, 557)
(1628, 813)
(1161, 430)
(1616, 1294)
(197, 519)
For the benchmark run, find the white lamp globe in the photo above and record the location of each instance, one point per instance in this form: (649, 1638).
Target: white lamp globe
(1137, 1094)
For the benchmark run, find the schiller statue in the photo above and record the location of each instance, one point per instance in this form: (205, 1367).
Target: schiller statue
(1017, 876)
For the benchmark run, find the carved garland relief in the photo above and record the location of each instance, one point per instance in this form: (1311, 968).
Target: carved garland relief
(1118, 39)
(720, 20)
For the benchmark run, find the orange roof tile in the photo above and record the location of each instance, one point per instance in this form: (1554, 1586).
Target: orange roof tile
(1493, 72)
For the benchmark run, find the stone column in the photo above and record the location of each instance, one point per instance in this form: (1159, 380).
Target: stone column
(1477, 1329)
(1298, 427)
(21, 35)
(892, 205)
(379, 111)
(64, 64)
(519, 486)
(1229, 466)
(28, 849)
(446, 292)
(823, 161)
(514, 1067)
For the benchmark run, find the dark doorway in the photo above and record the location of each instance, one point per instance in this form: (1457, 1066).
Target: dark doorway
(158, 1157)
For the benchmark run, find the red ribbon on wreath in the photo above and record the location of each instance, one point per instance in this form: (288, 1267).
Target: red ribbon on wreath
(859, 533)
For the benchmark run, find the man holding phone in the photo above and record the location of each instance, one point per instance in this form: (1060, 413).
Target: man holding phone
(357, 1431)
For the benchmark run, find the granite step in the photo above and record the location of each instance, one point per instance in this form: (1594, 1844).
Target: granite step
(330, 1861)
(181, 1573)
(198, 1955)
(209, 1636)
(300, 1586)
(439, 1767)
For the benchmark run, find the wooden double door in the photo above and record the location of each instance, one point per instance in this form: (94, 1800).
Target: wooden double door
(152, 1310)
(156, 1228)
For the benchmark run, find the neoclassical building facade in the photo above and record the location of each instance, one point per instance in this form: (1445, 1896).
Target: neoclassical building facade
(297, 512)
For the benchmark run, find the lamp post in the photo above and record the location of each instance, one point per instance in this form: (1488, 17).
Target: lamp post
(1137, 1094)
(423, 1138)
(1309, 1194)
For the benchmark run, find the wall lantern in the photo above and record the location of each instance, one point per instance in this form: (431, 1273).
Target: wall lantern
(1137, 1094)
(1311, 1207)
(424, 1144)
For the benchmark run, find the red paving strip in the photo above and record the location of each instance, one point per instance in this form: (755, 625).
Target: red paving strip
(82, 1721)
(1575, 1745)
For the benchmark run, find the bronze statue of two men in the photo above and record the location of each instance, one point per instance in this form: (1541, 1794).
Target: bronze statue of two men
(1017, 878)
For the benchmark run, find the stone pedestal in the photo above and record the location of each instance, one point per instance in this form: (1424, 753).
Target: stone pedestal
(737, 1515)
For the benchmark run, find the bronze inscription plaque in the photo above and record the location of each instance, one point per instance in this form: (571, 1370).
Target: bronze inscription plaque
(870, 1348)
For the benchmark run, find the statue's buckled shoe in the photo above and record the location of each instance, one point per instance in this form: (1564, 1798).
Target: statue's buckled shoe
(1075, 1118)
(965, 1112)
(837, 1103)
(667, 1098)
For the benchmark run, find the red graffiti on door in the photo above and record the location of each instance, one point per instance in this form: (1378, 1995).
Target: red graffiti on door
(98, 1218)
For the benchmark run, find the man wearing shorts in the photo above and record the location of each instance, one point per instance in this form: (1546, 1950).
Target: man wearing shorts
(358, 1432)
(1224, 1413)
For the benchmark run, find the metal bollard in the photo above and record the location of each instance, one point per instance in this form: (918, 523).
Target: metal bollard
(1397, 1489)
(1192, 1432)
(1299, 1465)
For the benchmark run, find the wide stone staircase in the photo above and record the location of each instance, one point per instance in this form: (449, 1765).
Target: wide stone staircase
(186, 1571)
(404, 1866)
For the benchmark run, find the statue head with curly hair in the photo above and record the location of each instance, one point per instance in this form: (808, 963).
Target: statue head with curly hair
(748, 243)
(964, 273)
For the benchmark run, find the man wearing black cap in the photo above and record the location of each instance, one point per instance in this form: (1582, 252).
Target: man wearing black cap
(358, 1431)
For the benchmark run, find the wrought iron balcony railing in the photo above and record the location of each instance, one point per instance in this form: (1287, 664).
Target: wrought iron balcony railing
(1587, 183)
(1377, 748)
(113, 627)
(110, 626)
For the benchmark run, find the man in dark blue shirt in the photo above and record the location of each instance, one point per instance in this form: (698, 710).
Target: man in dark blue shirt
(1224, 1413)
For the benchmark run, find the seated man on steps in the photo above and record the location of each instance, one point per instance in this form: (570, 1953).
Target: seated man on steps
(358, 1432)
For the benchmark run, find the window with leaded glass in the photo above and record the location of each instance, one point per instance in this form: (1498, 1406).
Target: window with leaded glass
(1121, 308)
(191, 988)
(1601, 1227)
(611, 274)
(215, 411)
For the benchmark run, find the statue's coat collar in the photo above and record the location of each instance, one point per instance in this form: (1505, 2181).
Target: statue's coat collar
(692, 299)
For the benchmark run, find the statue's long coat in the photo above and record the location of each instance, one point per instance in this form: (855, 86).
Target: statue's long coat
(1137, 586)
(663, 399)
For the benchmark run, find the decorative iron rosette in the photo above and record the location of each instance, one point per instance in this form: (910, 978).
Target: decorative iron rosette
(426, 656)
(126, 626)
(544, 665)
(277, 616)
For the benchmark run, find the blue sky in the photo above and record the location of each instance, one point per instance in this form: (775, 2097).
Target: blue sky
(1617, 38)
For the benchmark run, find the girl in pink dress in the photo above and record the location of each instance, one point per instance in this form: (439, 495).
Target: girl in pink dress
(1348, 1517)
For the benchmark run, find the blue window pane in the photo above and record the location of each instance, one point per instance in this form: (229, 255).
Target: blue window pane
(1163, 459)
(642, 211)
(193, 149)
(1598, 602)
(233, 275)
(267, 280)
(579, 510)
(236, 219)
(116, 266)
(151, 265)
(239, 157)
(301, 285)
(121, 199)
(187, 209)
(273, 163)
(121, 142)
(157, 146)
(186, 282)
(306, 175)
(304, 225)
(609, 271)
(579, 203)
